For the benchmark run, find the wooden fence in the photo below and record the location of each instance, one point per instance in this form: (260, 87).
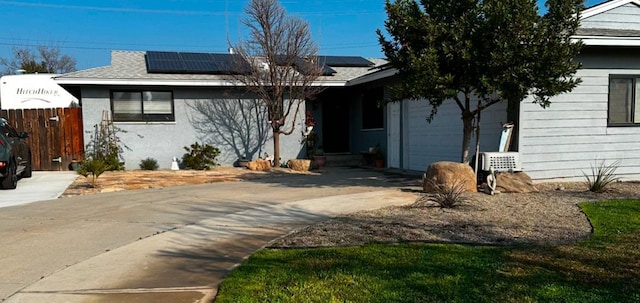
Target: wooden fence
(55, 135)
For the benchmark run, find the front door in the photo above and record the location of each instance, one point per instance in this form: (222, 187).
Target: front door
(335, 125)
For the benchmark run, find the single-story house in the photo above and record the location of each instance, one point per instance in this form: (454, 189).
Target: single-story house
(595, 122)
(165, 105)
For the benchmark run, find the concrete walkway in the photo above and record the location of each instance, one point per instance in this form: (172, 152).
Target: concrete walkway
(168, 245)
(40, 187)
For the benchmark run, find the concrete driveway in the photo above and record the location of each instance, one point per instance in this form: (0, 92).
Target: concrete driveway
(40, 187)
(172, 244)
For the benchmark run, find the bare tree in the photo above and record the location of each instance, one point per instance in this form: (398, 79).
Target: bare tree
(54, 61)
(42, 59)
(283, 66)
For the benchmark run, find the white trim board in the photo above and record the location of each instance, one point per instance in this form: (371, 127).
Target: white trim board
(603, 7)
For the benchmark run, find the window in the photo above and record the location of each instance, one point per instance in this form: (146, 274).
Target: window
(623, 94)
(142, 105)
(372, 114)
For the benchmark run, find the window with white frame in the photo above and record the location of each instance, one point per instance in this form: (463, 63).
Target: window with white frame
(624, 94)
(142, 106)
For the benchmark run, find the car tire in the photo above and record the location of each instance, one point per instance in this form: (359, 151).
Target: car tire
(28, 171)
(11, 180)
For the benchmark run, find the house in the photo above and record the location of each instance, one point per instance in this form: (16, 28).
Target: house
(162, 105)
(597, 121)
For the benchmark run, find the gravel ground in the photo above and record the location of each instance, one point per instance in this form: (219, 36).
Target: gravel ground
(549, 216)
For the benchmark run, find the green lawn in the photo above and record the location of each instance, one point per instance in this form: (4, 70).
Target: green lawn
(605, 268)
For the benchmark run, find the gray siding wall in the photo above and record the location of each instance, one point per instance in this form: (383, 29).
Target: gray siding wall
(623, 17)
(441, 140)
(572, 135)
(165, 140)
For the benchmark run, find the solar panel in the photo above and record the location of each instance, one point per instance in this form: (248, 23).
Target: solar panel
(304, 66)
(199, 67)
(163, 56)
(209, 63)
(195, 57)
(195, 63)
(231, 63)
(165, 66)
(345, 61)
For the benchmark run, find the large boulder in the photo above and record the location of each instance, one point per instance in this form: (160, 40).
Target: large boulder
(448, 174)
(517, 182)
(299, 164)
(259, 165)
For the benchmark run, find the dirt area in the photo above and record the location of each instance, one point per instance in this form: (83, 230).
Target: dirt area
(549, 216)
(140, 179)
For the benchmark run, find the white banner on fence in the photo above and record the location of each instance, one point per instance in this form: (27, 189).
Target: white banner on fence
(33, 91)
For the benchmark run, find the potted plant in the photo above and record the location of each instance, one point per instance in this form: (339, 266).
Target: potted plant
(378, 157)
(319, 158)
(309, 123)
(310, 141)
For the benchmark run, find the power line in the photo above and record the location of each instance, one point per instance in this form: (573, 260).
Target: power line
(178, 12)
(185, 47)
(28, 42)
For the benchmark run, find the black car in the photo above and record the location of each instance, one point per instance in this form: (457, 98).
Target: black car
(15, 156)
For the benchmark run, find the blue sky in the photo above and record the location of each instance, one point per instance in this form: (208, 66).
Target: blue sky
(88, 30)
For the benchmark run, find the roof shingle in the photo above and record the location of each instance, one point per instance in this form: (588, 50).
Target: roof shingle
(131, 65)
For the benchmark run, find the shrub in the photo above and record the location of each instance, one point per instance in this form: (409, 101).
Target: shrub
(200, 157)
(149, 164)
(601, 176)
(447, 195)
(93, 168)
(105, 145)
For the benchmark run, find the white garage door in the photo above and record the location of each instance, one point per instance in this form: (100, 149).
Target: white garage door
(441, 140)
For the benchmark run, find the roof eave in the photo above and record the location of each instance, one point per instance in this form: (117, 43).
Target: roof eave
(385, 73)
(605, 6)
(608, 41)
(168, 82)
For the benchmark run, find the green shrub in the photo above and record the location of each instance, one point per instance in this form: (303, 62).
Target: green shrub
(601, 176)
(200, 157)
(149, 164)
(93, 168)
(105, 145)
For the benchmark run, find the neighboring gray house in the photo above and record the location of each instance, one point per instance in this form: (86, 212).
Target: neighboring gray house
(163, 110)
(598, 121)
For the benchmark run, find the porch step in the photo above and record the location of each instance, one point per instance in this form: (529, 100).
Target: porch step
(343, 160)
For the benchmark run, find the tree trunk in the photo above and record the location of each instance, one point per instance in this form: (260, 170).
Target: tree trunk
(513, 115)
(477, 151)
(276, 149)
(467, 122)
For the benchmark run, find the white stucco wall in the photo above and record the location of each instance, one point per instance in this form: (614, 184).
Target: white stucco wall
(165, 140)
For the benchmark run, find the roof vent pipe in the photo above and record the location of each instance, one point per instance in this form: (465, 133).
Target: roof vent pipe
(231, 50)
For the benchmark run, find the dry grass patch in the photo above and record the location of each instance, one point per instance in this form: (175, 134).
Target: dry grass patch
(141, 179)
